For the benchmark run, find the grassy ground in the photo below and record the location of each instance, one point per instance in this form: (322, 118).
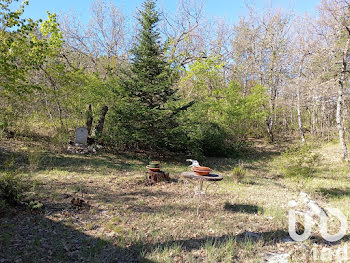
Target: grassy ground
(125, 221)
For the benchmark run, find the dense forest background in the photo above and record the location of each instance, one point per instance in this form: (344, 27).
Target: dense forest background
(177, 82)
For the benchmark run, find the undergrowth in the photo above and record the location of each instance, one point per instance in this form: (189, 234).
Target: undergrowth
(12, 188)
(239, 172)
(298, 161)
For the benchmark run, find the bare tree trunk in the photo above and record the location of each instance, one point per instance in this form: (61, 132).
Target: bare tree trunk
(314, 114)
(323, 109)
(269, 121)
(89, 118)
(99, 127)
(285, 122)
(245, 87)
(55, 88)
(314, 120)
(300, 123)
(340, 101)
(301, 130)
(48, 110)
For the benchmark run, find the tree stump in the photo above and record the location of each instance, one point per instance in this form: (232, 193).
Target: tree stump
(153, 177)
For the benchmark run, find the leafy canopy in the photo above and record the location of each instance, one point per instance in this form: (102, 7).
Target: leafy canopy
(24, 45)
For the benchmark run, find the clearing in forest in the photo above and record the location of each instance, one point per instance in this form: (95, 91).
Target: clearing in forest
(122, 220)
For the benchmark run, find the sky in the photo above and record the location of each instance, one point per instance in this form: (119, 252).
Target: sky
(229, 9)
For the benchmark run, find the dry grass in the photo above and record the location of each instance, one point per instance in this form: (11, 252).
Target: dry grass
(126, 221)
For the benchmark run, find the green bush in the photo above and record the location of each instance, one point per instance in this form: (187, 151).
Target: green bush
(12, 188)
(212, 142)
(239, 148)
(239, 172)
(34, 205)
(299, 161)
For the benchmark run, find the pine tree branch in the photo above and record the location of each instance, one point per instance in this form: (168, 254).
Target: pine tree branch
(183, 108)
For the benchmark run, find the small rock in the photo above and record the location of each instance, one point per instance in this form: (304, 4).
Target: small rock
(81, 149)
(276, 258)
(292, 203)
(304, 196)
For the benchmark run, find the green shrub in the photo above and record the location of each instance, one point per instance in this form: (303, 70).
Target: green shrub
(212, 142)
(299, 161)
(239, 172)
(239, 148)
(34, 159)
(60, 138)
(34, 205)
(12, 188)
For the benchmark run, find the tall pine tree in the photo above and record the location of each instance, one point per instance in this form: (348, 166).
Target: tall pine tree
(144, 118)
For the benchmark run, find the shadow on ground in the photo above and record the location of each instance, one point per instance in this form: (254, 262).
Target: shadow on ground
(90, 163)
(243, 208)
(188, 245)
(11, 160)
(27, 237)
(253, 159)
(34, 238)
(334, 192)
(86, 164)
